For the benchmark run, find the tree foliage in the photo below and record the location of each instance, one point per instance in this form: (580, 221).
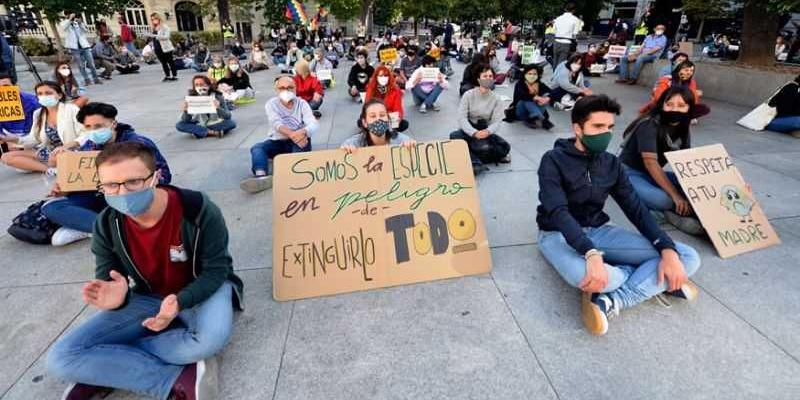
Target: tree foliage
(54, 9)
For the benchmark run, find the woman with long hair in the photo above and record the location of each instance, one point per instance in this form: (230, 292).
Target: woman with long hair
(69, 85)
(163, 47)
(665, 128)
(682, 75)
(382, 86)
(55, 130)
(375, 129)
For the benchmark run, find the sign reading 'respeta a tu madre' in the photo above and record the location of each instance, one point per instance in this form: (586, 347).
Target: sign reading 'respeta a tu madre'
(728, 210)
(382, 216)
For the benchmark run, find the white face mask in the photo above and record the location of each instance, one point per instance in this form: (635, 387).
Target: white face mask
(201, 90)
(286, 96)
(65, 72)
(659, 32)
(383, 80)
(233, 67)
(575, 67)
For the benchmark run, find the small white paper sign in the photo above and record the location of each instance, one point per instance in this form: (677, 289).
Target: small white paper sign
(597, 68)
(394, 117)
(429, 74)
(325, 75)
(200, 105)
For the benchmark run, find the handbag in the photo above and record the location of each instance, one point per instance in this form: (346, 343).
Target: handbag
(761, 116)
(32, 226)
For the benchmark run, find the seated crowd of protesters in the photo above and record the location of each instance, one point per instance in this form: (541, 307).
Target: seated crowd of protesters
(143, 283)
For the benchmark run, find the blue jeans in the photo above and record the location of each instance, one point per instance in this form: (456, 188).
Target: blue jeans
(784, 124)
(113, 349)
(428, 98)
(528, 110)
(278, 60)
(84, 58)
(315, 105)
(200, 131)
(131, 46)
(262, 152)
(76, 210)
(637, 66)
(631, 262)
(648, 190)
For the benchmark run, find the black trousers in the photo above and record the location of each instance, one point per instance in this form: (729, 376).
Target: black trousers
(167, 63)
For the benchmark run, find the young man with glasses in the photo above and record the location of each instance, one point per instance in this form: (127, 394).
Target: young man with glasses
(164, 283)
(613, 267)
(291, 126)
(76, 212)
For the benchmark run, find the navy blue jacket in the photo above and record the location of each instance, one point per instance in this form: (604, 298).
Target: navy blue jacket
(125, 133)
(573, 188)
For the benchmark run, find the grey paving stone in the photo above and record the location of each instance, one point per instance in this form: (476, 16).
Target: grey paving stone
(33, 317)
(28, 264)
(249, 220)
(510, 223)
(697, 351)
(403, 343)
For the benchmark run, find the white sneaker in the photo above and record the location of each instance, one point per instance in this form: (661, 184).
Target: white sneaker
(51, 172)
(436, 107)
(423, 108)
(64, 236)
(256, 184)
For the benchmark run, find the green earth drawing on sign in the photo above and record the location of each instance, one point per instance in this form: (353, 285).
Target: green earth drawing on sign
(737, 202)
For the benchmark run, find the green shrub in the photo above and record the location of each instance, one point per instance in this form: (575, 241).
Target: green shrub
(176, 37)
(35, 47)
(210, 38)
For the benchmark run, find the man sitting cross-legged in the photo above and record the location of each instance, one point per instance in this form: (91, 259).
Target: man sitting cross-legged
(614, 267)
(164, 283)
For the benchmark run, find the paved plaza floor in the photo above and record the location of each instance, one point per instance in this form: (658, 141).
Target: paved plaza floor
(515, 333)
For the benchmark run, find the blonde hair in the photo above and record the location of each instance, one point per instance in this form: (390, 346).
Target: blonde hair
(302, 68)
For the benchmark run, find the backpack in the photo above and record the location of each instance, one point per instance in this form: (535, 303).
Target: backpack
(490, 150)
(32, 226)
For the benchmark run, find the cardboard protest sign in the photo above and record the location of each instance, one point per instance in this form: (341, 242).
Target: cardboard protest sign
(10, 104)
(388, 55)
(429, 74)
(597, 68)
(528, 54)
(382, 216)
(325, 75)
(77, 171)
(731, 215)
(200, 105)
(616, 51)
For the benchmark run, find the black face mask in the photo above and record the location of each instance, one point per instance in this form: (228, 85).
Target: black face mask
(671, 117)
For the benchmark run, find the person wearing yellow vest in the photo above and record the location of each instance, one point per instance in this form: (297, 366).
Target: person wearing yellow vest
(228, 34)
(640, 32)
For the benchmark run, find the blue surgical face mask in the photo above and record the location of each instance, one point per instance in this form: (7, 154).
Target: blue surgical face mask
(132, 204)
(48, 101)
(101, 136)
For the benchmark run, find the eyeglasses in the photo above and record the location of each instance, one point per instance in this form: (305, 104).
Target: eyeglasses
(131, 185)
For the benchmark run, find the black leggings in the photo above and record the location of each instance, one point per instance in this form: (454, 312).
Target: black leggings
(167, 63)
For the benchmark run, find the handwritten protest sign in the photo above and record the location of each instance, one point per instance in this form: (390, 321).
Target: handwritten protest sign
(616, 51)
(388, 55)
(380, 217)
(467, 43)
(729, 212)
(10, 104)
(429, 74)
(325, 75)
(528, 54)
(200, 105)
(77, 171)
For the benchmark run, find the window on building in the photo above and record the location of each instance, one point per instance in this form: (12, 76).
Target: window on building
(188, 16)
(135, 14)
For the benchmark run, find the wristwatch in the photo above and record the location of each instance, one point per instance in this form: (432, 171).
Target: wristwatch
(591, 253)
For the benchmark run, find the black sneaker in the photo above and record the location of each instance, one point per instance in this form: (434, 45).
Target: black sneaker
(547, 125)
(688, 292)
(688, 225)
(80, 391)
(479, 169)
(165, 79)
(596, 310)
(532, 123)
(317, 114)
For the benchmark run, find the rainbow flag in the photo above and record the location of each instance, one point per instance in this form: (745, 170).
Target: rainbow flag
(296, 12)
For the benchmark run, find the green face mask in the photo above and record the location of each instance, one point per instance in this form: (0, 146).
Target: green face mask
(596, 144)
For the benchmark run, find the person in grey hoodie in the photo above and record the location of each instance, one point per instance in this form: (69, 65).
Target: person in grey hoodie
(568, 83)
(612, 266)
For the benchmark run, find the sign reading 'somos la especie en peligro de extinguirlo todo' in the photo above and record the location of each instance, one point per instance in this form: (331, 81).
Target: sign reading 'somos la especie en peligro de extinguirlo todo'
(382, 216)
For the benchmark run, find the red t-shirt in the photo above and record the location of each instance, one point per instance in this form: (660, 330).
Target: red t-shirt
(158, 251)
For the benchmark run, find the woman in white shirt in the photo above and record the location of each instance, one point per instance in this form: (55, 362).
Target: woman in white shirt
(55, 130)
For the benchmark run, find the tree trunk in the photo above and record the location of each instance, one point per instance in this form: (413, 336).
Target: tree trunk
(758, 34)
(699, 38)
(416, 29)
(224, 15)
(54, 29)
(366, 8)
